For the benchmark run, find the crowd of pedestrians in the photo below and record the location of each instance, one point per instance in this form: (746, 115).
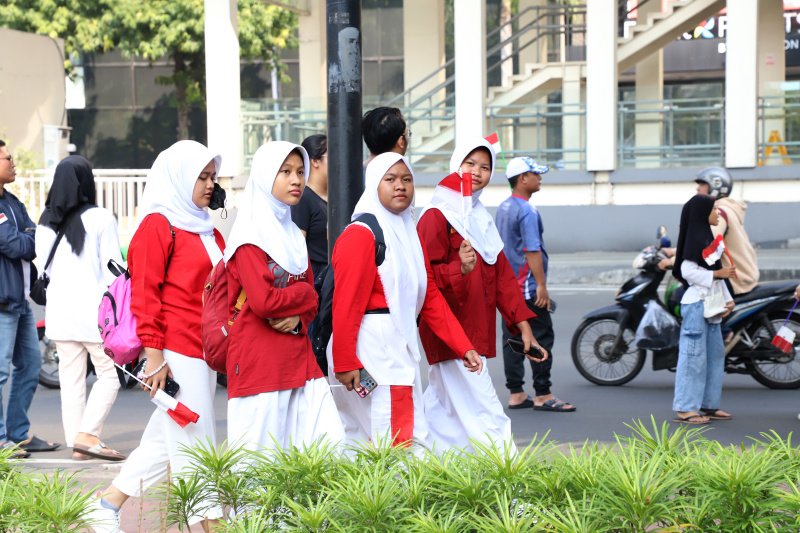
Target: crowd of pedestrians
(440, 279)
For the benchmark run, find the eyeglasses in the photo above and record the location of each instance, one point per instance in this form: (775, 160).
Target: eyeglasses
(9, 158)
(409, 134)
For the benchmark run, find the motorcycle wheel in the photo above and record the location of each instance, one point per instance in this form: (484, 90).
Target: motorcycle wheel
(591, 347)
(784, 371)
(48, 375)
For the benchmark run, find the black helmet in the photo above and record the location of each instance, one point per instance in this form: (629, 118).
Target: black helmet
(719, 181)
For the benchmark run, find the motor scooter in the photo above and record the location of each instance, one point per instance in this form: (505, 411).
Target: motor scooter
(604, 352)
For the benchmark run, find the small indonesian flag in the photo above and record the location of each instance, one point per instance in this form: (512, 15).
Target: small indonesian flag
(713, 253)
(3, 218)
(175, 409)
(461, 184)
(784, 340)
(494, 140)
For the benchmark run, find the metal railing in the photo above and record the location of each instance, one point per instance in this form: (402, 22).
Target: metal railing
(677, 132)
(294, 125)
(779, 125)
(117, 190)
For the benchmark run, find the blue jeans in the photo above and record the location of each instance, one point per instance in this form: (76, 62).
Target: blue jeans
(19, 344)
(701, 362)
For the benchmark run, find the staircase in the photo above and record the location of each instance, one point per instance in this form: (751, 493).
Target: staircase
(431, 116)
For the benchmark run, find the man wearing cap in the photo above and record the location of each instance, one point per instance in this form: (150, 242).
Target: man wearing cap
(520, 227)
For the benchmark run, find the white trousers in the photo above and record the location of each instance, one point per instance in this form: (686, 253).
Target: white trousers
(163, 437)
(293, 417)
(389, 411)
(79, 414)
(462, 405)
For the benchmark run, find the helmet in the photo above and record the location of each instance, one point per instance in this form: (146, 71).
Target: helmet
(719, 181)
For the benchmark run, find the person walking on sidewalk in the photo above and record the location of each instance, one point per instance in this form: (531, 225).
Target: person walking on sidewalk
(520, 227)
(167, 302)
(472, 273)
(19, 342)
(78, 278)
(701, 353)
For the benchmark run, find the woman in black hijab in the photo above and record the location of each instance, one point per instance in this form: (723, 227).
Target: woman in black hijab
(701, 356)
(78, 279)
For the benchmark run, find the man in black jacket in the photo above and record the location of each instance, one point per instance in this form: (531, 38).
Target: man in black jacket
(19, 343)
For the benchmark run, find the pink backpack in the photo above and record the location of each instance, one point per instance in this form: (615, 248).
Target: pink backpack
(116, 322)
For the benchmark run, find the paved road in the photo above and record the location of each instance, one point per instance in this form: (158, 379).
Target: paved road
(602, 411)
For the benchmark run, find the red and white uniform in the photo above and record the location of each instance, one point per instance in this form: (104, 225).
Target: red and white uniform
(385, 345)
(462, 405)
(277, 394)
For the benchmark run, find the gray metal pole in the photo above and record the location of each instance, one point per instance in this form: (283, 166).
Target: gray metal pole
(345, 181)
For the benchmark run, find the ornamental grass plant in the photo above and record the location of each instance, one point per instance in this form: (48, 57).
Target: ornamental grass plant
(658, 479)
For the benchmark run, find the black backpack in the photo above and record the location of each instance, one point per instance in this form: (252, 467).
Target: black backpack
(321, 328)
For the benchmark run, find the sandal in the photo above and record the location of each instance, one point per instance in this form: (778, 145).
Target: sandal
(35, 444)
(19, 453)
(692, 419)
(713, 414)
(554, 405)
(527, 404)
(98, 451)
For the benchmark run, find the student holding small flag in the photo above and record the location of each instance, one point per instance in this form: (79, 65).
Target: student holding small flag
(701, 355)
(167, 303)
(471, 271)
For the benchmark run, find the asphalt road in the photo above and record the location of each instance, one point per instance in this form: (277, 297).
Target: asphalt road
(602, 411)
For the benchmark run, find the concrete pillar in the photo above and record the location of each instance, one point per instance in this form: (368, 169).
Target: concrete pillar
(741, 83)
(649, 87)
(423, 44)
(223, 96)
(537, 52)
(601, 85)
(313, 57)
(572, 129)
(470, 54)
(771, 73)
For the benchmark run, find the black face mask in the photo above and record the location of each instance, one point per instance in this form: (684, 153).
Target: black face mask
(217, 198)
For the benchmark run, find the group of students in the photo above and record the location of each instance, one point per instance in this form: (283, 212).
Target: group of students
(441, 277)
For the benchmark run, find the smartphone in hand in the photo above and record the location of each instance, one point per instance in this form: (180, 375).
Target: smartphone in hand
(368, 383)
(519, 347)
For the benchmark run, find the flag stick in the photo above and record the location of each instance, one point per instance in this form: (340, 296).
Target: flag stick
(729, 258)
(134, 377)
(463, 213)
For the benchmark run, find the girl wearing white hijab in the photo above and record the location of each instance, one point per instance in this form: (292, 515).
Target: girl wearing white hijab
(375, 309)
(168, 307)
(474, 276)
(277, 395)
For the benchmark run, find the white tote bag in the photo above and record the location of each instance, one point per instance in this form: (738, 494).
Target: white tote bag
(714, 301)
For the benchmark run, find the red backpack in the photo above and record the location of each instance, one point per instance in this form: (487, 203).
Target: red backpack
(218, 318)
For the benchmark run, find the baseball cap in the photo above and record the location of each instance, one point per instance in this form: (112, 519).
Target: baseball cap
(520, 165)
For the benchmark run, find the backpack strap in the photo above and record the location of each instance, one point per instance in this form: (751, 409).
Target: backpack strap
(60, 235)
(237, 307)
(380, 244)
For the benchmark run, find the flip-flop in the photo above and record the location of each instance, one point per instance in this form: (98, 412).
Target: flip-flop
(35, 444)
(554, 405)
(691, 419)
(712, 414)
(19, 454)
(97, 451)
(527, 404)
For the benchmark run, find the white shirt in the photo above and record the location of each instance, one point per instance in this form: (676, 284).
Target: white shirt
(700, 282)
(77, 282)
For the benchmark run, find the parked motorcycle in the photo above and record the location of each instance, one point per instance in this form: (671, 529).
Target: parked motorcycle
(604, 352)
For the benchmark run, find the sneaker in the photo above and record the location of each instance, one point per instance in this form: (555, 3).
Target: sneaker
(103, 520)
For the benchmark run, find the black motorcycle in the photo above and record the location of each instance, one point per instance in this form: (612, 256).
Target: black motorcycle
(604, 351)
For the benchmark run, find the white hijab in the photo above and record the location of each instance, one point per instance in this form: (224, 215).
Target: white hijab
(481, 230)
(402, 273)
(170, 185)
(265, 221)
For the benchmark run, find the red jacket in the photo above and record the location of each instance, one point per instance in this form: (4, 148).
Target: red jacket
(261, 359)
(472, 298)
(359, 288)
(168, 311)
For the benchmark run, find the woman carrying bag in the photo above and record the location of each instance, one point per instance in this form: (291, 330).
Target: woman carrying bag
(701, 352)
(168, 308)
(375, 310)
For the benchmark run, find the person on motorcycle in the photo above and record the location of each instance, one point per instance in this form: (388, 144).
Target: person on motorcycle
(701, 355)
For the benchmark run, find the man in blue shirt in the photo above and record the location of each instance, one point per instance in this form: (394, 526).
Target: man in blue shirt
(520, 227)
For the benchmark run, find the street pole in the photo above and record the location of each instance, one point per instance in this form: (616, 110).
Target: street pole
(345, 178)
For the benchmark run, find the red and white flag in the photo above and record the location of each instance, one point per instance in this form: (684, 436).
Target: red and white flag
(461, 184)
(714, 252)
(3, 218)
(784, 340)
(494, 140)
(175, 409)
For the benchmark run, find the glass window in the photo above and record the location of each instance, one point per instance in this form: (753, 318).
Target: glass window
(371, 78)
(392, 32)
(108, 86)
(391, 78)
(148, 91)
